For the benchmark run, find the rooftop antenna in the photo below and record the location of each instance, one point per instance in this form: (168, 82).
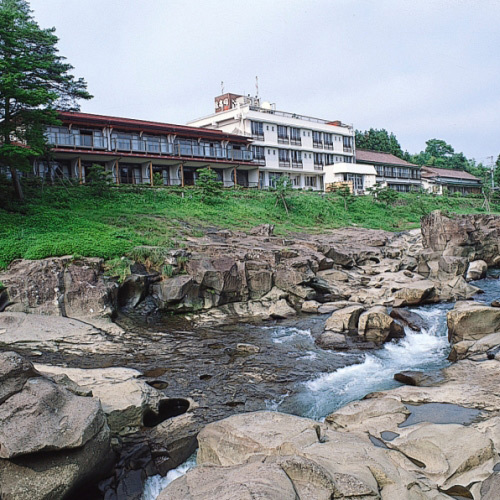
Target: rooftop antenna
(256, 86)
(222, 87)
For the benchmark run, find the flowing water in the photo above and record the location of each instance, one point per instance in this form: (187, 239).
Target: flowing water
(359, 374)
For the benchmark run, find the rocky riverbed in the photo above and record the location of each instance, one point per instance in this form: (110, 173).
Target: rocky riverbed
(329, 303)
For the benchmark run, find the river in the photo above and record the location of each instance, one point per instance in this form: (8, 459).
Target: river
(353, 375)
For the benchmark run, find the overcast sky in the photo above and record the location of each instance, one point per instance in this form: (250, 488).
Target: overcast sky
(420, 68)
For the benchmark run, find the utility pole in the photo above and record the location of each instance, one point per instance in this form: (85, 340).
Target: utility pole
(492, 171)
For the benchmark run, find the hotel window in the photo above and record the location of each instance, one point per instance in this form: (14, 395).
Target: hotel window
(356, 179)
(296, 156)
(328, 140)
(318, 158)
(295, 135)
(317, 139)
(282, 132)
(283, 155)
(310, 181)
(258, 152)
(258, 129)
(296, 180)
(267, 127)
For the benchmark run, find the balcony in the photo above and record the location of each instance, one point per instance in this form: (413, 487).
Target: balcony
(145, 146)
(258, 137)
(329, 145)
(296, 141)
(284, 163)
(347, 149)
(283, 139)
(77, 141)
(317, 144)
(318, 166)
(260, 160)
(297, 164)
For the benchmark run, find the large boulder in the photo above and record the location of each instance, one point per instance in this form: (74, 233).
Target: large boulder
(414, 293)
(44, 417)
(471, 321)
(281, 310)
(178, 293)
(375, 325)
(476, 270)
(61, 286)
(475, 237)
(240, 482)
(447, 452)
(124, 397)
(259, 278)
(51, 440)
(344, 320)
(320, 462)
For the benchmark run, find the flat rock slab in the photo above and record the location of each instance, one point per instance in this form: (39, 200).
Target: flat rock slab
(440, 413)
(52, 333)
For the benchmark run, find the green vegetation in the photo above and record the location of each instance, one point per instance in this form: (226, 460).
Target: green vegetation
(208, 185)
(141, 224)
(34, 81)
(379, 140)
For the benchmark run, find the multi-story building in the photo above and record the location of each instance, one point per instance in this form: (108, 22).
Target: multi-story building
(392, 171)
(137, 151)
(283, 143)
(435, 180)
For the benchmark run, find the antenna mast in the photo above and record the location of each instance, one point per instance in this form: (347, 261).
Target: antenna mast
(256, 86)
(222, 87)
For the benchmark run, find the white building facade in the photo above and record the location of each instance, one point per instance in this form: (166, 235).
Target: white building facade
(298, 146)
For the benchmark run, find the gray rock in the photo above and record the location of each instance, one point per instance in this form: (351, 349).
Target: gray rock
(44, 417)
(14, 372)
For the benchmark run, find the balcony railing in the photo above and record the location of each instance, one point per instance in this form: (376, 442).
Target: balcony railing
(297, 164)
(148, 147)
(318, 167)
(76, 140)
(283, 140)
(258, 137)
(259, 161)
(347, 149)
(296, 141)
(284, 163)
(329, 145)
(317, 144)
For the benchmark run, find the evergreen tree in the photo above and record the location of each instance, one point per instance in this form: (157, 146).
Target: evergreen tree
(34, 82)
(379, 140)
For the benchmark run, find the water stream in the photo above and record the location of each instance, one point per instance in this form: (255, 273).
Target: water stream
(360, 374)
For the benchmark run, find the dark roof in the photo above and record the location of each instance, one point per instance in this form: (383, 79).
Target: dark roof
(430, 172)
(368, 156)
(88, 119)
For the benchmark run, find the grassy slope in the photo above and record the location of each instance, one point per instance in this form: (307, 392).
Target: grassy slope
(61, 222)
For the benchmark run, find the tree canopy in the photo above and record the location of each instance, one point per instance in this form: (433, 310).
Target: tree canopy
(379, 140)
(35, 81)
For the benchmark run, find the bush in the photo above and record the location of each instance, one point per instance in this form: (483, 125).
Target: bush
(210, 188)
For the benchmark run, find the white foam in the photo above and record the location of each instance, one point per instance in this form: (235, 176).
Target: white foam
(286, 334)
(425, 350)
(154, 485)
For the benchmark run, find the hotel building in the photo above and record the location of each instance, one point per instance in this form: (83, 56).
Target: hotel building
(283, 143)
(140, 152)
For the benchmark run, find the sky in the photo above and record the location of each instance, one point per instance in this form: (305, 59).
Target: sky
(422, 69)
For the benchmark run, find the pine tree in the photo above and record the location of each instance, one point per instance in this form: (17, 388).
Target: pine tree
(34, 83)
